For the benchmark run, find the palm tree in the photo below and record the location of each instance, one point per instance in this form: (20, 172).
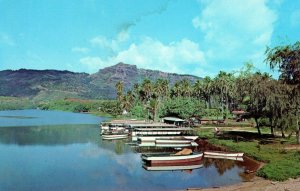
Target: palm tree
(186, 88)
(207, 90)
(147, 89)
(127, 101)
(119, 87)
(197, 89)
(161, 88)
(176, 90)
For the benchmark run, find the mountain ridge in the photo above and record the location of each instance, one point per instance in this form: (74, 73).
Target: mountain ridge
(58, 84)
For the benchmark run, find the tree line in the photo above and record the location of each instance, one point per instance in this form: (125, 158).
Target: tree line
(264, 98)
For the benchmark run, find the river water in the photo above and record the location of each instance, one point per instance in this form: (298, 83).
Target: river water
(54, 150)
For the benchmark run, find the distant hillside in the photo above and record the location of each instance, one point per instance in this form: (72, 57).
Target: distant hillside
(55, 84)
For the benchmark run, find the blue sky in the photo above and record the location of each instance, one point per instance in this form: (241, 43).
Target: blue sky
(199, 37)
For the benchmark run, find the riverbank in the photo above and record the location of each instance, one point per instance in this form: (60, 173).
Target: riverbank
(257, 184)
(281, 163)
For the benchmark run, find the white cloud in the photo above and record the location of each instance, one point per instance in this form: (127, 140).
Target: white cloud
(235, 29)
(80, 49)
(184, 56)
(6, 39)
(112, 44)
(93, 63)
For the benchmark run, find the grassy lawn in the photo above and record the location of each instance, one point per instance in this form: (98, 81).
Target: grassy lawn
(280, 164)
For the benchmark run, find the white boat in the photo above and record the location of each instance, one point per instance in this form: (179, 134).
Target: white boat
(166, 168)
(170, 137)
(223, 153)
(167, 158)
(173, 141)
(223, 157)
(118, 125)
(177, 143)
(114, 136)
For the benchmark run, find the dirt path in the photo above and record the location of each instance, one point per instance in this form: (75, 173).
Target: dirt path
(258, 184)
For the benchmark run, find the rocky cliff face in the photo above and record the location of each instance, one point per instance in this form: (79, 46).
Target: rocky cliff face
(54, 84)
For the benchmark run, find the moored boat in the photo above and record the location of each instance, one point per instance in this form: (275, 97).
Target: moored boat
(114, 136)
(186, 155)
(170, 137)
(224, 157)
(223, 153)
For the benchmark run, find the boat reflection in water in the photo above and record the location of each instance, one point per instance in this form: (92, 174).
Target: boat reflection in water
(174, 166)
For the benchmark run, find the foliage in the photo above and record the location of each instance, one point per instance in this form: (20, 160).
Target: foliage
(182, 107)
(279, 165)
(287, 60)
(77, 105)
(139, 111)
(13, 103)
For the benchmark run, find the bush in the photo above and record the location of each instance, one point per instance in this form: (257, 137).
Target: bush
(182, 107)
(138, 111)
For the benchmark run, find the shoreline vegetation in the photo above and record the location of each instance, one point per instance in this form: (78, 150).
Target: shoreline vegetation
(268, 131)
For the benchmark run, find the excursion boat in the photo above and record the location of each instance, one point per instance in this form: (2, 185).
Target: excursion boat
(113, 136)
(168, 168)
(118, 125)
(186, 155)
(152, 131)
(222, 153)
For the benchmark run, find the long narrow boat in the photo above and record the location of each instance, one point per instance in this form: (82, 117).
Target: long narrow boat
(170, 137)
(177, 143)
(223, 153)
(114, 136)
(167, 168)
(171, 158)
(173, 141)
(224, 157)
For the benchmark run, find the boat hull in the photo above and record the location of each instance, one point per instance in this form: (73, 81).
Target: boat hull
(117, 136)
(154, 138)
(224, 154)
(224, 157)
(172, 159)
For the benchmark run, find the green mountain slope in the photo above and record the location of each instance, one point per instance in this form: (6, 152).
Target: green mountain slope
(55, 84)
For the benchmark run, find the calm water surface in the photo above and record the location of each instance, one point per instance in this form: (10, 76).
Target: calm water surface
(52, 150)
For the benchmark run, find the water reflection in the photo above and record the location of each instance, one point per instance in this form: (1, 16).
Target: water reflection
(49, 135)
(74, 157)
(222, 165)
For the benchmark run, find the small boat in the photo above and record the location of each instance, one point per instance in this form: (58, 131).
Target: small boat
(186, 155)
(224, 157)
(113, 136)
(167, 168)
(172, 141)
(170, 137)
(223, 153)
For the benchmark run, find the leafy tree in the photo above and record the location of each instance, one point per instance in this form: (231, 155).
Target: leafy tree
(182, 107)
(287, 60)
(254, 96)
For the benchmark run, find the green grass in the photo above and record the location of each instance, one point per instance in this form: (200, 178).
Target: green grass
(280, 164)
(13, 103)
